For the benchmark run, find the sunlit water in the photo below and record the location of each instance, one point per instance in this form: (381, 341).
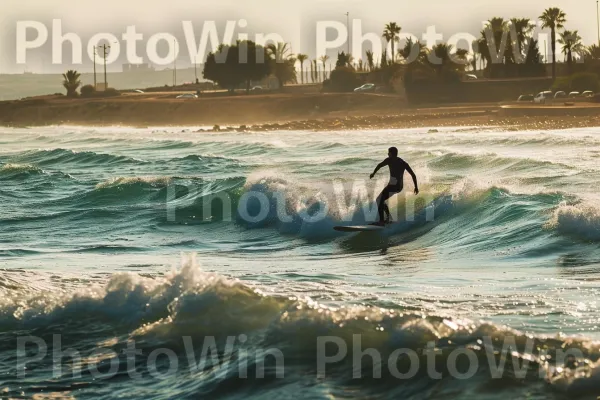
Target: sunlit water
(503, 240)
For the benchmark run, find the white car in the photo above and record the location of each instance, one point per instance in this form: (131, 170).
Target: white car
(471, 77)
(367, 87)
(588, 93)
(560, 95)
(543, 97)
(187, 96)
(138, 91)
(574, 94)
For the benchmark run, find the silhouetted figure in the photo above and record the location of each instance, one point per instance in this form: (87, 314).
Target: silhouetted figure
(397, 167)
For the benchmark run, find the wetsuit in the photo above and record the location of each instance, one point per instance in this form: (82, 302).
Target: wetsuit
(397, 167)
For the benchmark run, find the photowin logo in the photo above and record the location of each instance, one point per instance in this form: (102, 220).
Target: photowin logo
(194, 42)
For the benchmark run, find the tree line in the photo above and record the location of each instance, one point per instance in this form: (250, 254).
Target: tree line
(505, 48)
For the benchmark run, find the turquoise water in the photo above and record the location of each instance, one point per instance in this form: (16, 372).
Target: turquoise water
(108, 236)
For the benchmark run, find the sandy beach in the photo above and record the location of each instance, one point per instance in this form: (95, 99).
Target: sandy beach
(341, 111)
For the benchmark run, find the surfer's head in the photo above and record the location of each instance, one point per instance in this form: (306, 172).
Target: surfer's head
(393, 152)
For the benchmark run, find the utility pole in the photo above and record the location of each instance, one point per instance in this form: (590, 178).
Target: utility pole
(174, 63)
(104, 53)
(95, 84)
(598, 21)
(348, 29)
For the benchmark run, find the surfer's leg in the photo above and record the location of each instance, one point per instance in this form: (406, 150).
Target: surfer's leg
(393, 190)
(386, 209)
(381, 206)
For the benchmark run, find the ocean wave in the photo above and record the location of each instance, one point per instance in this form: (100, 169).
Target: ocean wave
(124, 191)
(582, 221)
(66, 156)
(124, 182)
(162, 144)
(207, 162)
(492, 161)
(28, 168)
(159, 312)
(11, 170)
(311, 212)
(352, 161)
(204, 158)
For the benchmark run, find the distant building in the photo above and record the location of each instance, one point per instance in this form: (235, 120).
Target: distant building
(138, 68)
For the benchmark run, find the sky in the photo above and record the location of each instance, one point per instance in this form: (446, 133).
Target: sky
(295, 21)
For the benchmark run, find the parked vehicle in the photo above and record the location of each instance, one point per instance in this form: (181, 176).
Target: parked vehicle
(574, 94)
(257, 89)
(471, 77)
(187, 96)
(367, 87)
(543, 97)
(587, 93)
(526, 98)
(560, 95)
(138, 91)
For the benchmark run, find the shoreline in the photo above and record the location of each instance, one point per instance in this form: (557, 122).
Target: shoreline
(316, 112)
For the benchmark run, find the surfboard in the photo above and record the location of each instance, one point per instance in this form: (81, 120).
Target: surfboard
(359, 228)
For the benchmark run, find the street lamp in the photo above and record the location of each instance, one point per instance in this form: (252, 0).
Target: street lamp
(348, 29)
(95, 84)
(598, 21)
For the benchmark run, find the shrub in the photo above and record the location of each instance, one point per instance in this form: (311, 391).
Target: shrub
(579, 82)
(585, 81)
(88, 90)
(110, 92)
(387, 75)
(344, 79)
(562, 84)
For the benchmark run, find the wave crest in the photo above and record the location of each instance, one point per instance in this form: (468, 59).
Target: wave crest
(582, 221)
(160, 311)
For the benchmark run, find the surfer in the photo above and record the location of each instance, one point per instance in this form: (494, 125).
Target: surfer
(397, 167)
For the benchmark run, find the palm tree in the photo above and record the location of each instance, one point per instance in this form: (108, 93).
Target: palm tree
(441, 51)
(71, 82)
(593, 52)
(384, 59)
(302, 58)
(280, 52)
(571, 42)
(499, 27)
(370, 62)
(412, 51)
(553, 18)
(461, 55)
(490, 42)
(391, 34)
(523, 27)
(481, 48)
(350, 60)
(447, 61)
(475, 49)
(324, 58)
(283, 63)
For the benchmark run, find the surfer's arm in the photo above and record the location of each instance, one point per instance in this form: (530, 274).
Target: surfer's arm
(379, 166)
(414, 178)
